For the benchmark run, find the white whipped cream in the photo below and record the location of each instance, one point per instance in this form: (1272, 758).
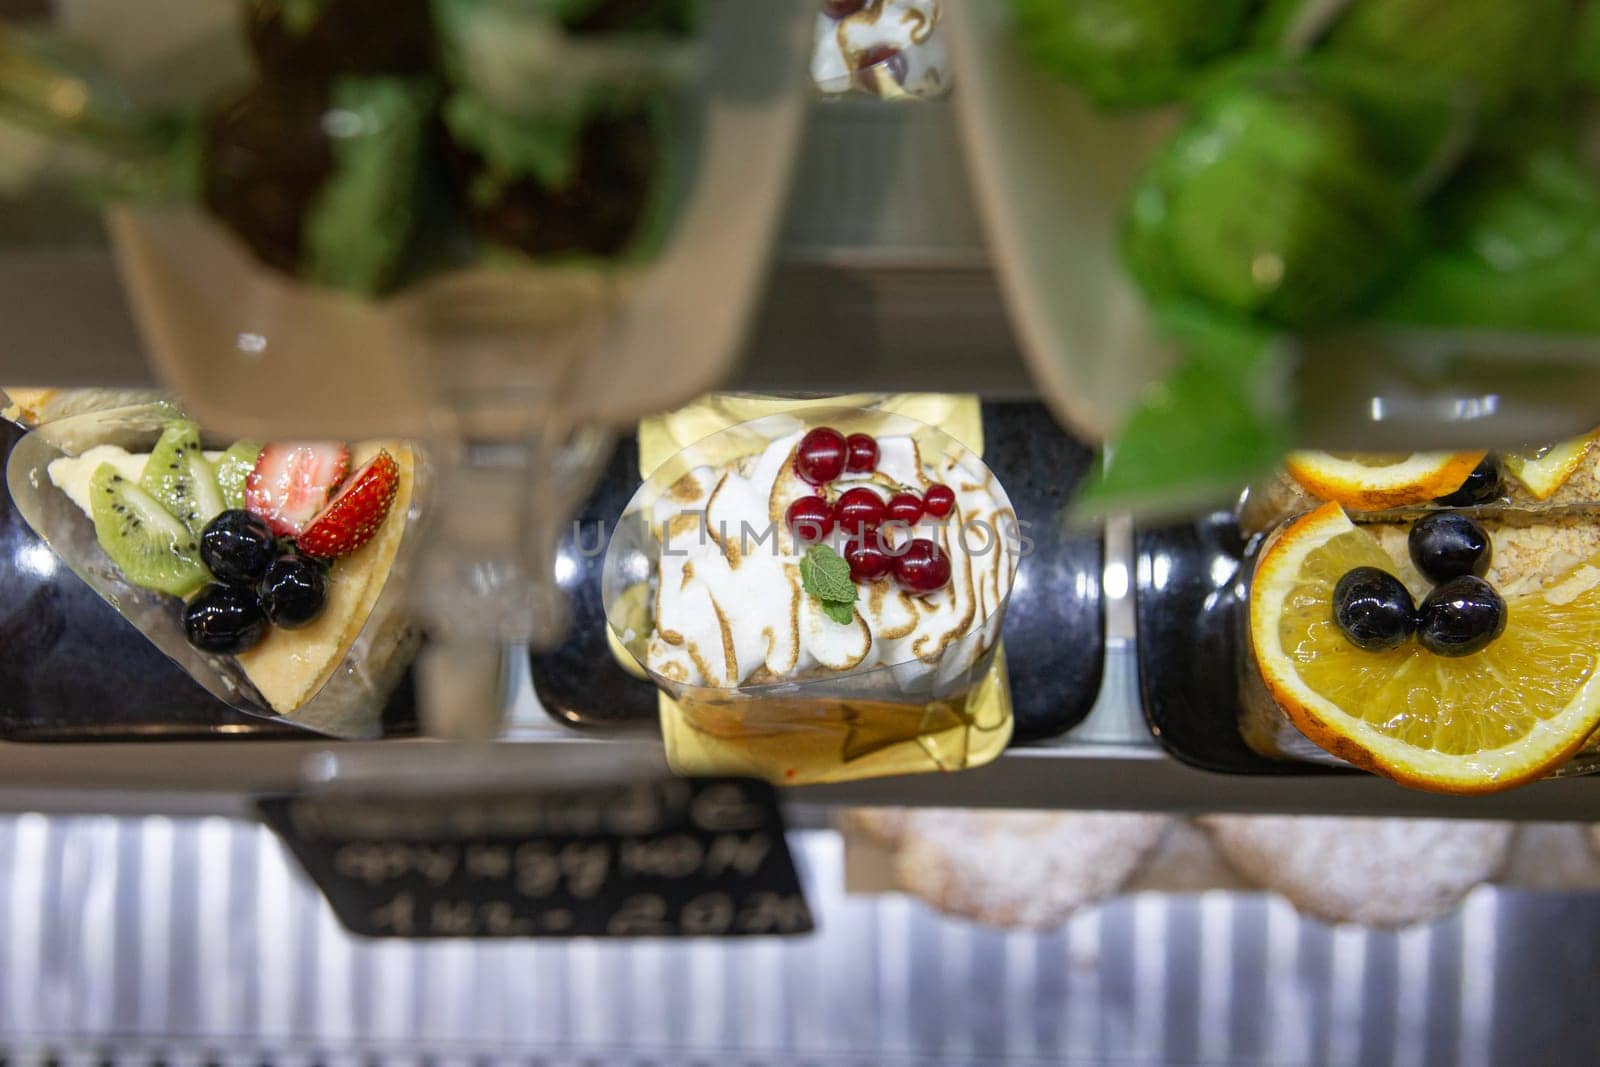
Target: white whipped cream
(909, 26)
(72, 474)
(729, 605)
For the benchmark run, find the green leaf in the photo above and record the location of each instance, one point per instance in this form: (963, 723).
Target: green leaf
(1503, 50)
(1514, 244)
(360, 224)
(826, 576)
(1585, 52)
(1129, 52)
(544, 147)
(1269, 201)
(1219, 421)
(839, 612)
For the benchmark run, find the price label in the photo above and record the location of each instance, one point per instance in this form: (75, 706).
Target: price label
(670, 858)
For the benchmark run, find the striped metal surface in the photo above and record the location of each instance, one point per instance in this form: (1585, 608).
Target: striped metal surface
(136, 940)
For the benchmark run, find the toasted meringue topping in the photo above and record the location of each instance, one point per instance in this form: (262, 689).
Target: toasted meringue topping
(730, 605)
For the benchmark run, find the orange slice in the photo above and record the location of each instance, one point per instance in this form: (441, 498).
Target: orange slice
(1476, 724)
(1377, 482)
(1544, 470)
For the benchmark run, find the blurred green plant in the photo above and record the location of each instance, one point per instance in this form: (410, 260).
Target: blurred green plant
(1513, 243)
(62, 121)
(1504, 49)
(1280, 197)
(1410, 163)
(1130, 52)
(1212, 426)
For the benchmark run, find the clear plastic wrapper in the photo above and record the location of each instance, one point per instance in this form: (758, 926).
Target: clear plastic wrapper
(350, 695)
(819, 719)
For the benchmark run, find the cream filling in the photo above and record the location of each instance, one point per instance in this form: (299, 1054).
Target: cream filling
(72, 474)
(730, 608)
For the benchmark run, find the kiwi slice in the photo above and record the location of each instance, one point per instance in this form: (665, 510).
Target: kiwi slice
(180, 477)
(151, 548)
(233, 468)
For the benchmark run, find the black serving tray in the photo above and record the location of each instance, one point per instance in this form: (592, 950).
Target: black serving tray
(1055, 623)
(1190, 627)
(72, 669)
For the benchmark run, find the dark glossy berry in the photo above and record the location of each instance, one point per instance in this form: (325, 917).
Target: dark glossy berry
(858, 510)
(860, 453)
(237, 546)
(868, 561)
(224, 618)
(294, 590)
(820, 457)
(922, 568)
(838, 9)
(938, 500)
(906, 508)
(1484, 485)
(1374, 609)
(810, 519)
(1460, 617)
(1446, 545)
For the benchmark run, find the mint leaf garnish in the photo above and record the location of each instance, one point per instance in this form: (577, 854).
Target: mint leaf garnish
(826, 576)
(841, 613)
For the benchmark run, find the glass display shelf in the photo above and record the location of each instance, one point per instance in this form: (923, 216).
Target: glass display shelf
(1108, 762)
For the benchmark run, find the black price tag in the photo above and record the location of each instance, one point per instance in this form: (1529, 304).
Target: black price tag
(669, 858)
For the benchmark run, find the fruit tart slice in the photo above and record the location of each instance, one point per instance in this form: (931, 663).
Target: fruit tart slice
(263, 570)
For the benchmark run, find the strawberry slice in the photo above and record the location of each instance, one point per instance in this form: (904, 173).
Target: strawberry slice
(292, 480)
(354, 515)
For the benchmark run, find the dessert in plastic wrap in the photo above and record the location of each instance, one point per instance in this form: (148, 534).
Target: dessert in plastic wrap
(816, 590)
(1547, 478)
(1449, 644)
(274, 574)
(887, 48)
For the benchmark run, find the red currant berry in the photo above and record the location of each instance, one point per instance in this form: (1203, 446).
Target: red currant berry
(820, 457)
(868, 561)
(810, 519)
(922, 568)
(861, 453)
(858, 510)
(838, 9)
(939, 499)
(906, 508)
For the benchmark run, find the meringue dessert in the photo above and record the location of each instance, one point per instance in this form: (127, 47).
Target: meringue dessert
(854, 585)
(890, 48)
